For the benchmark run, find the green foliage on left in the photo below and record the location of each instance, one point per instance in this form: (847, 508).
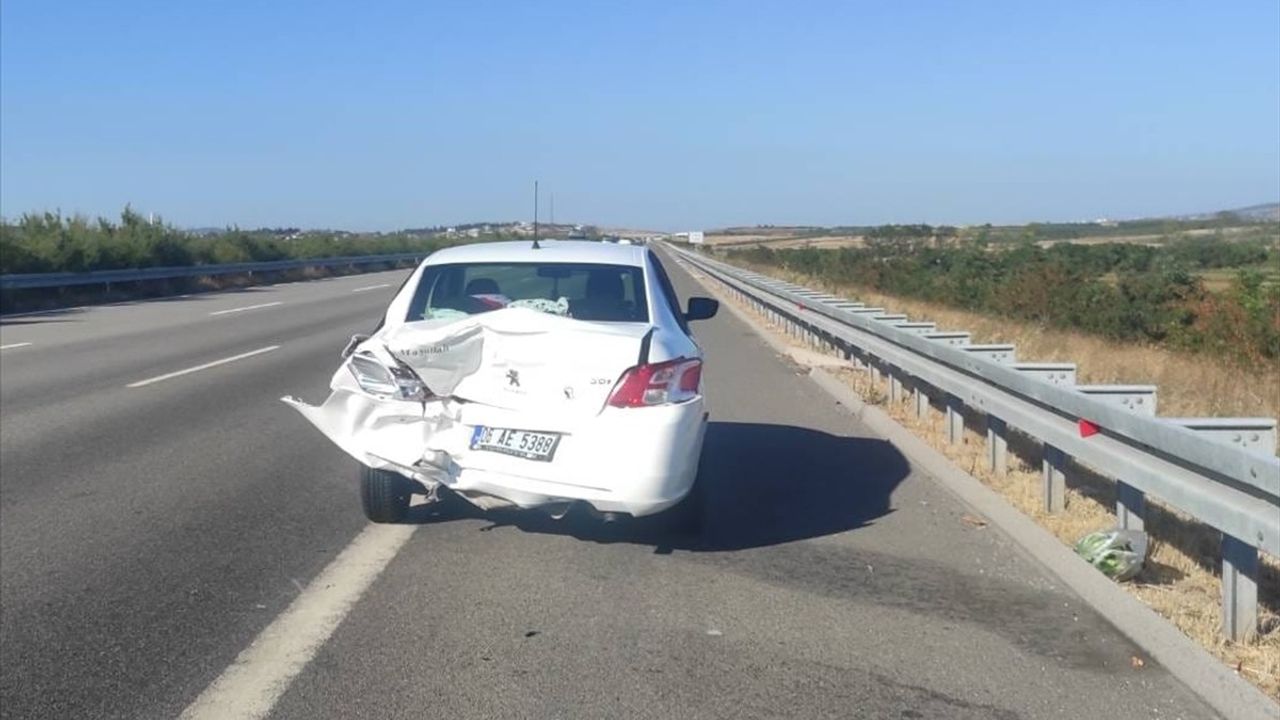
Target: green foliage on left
(52, 242)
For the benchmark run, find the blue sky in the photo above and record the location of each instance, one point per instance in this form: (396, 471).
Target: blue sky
(670, 115)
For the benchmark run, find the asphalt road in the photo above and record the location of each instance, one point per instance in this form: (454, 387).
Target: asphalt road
(153, 524)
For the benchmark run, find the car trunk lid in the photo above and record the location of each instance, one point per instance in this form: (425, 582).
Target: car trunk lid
(521, 367)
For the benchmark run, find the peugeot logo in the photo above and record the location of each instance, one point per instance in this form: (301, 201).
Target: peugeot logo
(513, 378)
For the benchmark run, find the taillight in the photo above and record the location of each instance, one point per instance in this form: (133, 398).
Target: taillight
(658, 384)
(396, 382)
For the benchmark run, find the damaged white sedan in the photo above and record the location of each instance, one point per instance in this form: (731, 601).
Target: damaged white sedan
(525, 374)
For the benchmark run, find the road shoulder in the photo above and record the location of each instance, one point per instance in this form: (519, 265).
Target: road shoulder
(1203, 674)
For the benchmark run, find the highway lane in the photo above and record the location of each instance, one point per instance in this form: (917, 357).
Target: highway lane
(147, 535)
(831, 581)
(67, 354)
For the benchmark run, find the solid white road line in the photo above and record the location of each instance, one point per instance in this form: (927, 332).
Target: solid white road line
(250, 687)
(372, 287)
(14, 345)
(205, 366)
(247, 307)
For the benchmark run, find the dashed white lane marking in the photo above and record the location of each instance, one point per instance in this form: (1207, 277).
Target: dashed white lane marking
(205, 366)
(14, 345)
(247, 307)
(371, 287)
(250, 687)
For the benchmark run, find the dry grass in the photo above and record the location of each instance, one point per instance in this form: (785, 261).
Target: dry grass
(782, 242)
(1190, 385)
(1222, 280)
(1154, 239)
(1181, 579)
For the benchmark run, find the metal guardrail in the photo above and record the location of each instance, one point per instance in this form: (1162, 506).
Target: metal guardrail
(1221, 471)
(24, 281)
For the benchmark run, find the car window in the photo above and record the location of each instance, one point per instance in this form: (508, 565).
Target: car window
(669, 292)
(583, 291)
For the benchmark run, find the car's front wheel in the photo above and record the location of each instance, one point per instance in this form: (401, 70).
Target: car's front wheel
(384, 495)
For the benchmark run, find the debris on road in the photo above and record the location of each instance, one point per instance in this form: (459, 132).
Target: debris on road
(1118, 553)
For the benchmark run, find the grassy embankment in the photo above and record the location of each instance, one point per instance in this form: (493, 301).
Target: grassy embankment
(1181, 580)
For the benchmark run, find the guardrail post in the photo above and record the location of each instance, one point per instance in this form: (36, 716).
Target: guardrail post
(895, 386)
(921, 398)
(1131, 507)
(997, 445)
(1055, 479)
(1246, 452)
(876, 373)
(1239, 589)
(955, 420)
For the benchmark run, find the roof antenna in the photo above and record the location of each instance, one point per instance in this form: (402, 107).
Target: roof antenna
(536, 246)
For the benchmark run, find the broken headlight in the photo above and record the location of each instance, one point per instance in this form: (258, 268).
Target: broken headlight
(395, 383)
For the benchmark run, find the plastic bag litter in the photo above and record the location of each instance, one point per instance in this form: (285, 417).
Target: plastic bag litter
(1118, 553)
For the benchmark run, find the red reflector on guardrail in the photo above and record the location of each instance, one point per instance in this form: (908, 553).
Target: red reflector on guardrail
(1088, 429)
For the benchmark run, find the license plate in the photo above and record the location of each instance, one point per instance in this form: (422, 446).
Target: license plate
(526, 444)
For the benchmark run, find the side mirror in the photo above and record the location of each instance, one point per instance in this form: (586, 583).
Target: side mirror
(352, 345)
(701, 308)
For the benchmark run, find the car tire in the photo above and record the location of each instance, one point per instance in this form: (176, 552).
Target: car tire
(384, 495)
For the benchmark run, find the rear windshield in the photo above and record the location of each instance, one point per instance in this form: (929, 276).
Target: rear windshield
(599, 293)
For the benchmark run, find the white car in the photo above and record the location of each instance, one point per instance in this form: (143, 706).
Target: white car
(526, 374)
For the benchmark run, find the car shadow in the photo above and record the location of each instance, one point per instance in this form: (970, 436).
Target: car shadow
(764, 485)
